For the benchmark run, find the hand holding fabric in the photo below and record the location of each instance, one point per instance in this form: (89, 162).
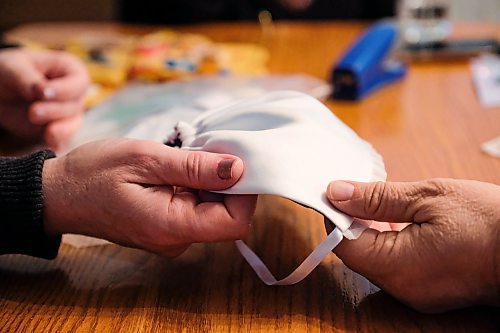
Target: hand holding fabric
(448, 257)
(146, 195)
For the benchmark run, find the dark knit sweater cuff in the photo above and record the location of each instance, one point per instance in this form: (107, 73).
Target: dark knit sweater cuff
(4, 45)
(21, 207)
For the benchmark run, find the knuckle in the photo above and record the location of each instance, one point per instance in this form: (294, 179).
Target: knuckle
(218, 230)
(181, 224)
(375, 195)
(136, 149)
(387, 244)
(384, 253)
(429, 193)
(436, 187)
(192, 165)
(138, 155)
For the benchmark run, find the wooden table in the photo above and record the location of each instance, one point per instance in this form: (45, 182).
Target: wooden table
(429, 125)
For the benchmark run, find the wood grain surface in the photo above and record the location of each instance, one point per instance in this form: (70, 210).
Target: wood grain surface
(428, 125)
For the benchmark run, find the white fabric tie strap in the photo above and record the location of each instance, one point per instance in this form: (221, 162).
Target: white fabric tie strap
(304, 269)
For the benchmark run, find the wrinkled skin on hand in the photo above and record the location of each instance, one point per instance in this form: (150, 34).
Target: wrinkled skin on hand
(447, 258)
(41, 95)
(145, 195)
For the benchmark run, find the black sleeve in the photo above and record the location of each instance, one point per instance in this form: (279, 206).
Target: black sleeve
(5, 45)
(21, 207)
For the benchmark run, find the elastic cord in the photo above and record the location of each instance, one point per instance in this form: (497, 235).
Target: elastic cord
(304, 269)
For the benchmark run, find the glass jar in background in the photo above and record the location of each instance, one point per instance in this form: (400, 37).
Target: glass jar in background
(424, 22)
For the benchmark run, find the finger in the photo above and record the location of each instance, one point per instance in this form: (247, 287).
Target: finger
(43, 112)
(367, 252)
(58, 133)
(380, 201)
(157, 164)
(24, 78)
(14, 119)
(377, 255)
(67, 77)
(212, 221)
(187, 198)
(241, 207)
(224, 221)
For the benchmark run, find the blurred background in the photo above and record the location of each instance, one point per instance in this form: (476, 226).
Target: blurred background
(15, 12)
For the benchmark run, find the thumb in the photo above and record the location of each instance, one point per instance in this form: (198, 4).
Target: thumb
(191, 169)
(380, 201)
(203, 170)
(379, 255)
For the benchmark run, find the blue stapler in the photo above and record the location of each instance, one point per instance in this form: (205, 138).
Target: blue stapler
(365, 66)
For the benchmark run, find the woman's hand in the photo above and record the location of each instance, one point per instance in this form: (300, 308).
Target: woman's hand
(146, 195)
(448, 257)
(41, 95)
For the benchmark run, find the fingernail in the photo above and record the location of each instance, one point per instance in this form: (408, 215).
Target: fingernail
(49, 93)
(225, 169)
(340, 191)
